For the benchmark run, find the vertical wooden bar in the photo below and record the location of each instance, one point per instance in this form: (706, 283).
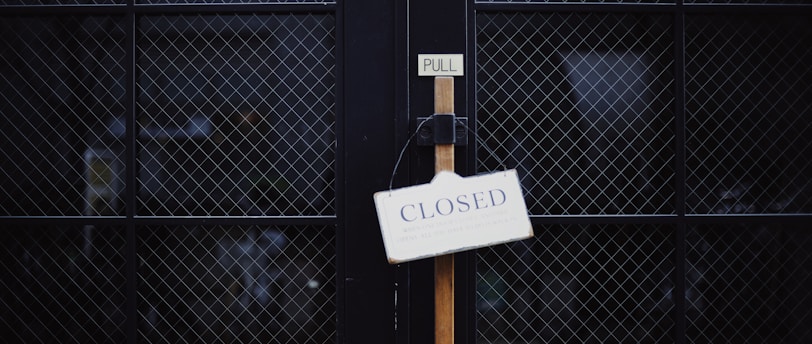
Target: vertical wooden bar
(444, 265)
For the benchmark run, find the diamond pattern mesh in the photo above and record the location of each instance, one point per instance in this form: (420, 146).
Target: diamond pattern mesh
(749, 284)
(62, 284)
(236, 115)
(60, 87)
(236, 284)
(578, 284)
(555, 93)
(749, 114)
(582, 106)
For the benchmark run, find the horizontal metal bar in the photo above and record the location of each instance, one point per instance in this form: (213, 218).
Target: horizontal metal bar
(332, 220)
(62, 9)
(642, 8)
(237, 221)
(750, 218)
(61, 220)
(749, 8)
(671, 219)
(331, 7)
(602, 219)
(169, 220)
(321, 7)
(572, 7)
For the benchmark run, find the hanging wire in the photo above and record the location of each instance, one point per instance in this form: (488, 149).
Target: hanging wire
(403, 150)
(479, 141)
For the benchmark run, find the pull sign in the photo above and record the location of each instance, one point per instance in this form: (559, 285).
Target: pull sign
(452, 214)
(440, 65)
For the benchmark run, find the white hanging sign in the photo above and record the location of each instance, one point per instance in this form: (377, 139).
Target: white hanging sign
(452, 214)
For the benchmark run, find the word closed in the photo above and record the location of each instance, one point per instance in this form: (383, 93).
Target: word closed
(452, 214)
(447, 206)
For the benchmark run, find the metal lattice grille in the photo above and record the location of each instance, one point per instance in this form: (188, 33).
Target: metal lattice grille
(236, 115)
(578, 284)
(64, 284)
(749, 284)
(237, 284)
(60, 87)
(749, 114)
(582, 106)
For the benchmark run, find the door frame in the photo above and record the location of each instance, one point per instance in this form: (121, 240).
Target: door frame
(383, 96)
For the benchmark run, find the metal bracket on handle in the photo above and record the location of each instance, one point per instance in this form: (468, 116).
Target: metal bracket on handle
(442, 128)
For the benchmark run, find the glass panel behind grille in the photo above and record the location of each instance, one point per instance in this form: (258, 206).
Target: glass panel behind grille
(62, 86)
(62, 284)
(581, 105)
(578, 284)
(236, 285)
(748, 114)
(749, 283)
(236, 115)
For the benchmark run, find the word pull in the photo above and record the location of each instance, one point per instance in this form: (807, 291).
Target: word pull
(440, 65)
(452, 214)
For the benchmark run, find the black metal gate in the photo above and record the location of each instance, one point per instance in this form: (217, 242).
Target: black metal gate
(662, 157)
(202, 171)
(169, 172)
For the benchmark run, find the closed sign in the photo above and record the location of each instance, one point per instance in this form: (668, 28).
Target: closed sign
(452, 214)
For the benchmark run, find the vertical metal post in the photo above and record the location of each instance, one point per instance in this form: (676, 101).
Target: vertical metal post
(444, 265)
(131, 176)
(679, 175)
